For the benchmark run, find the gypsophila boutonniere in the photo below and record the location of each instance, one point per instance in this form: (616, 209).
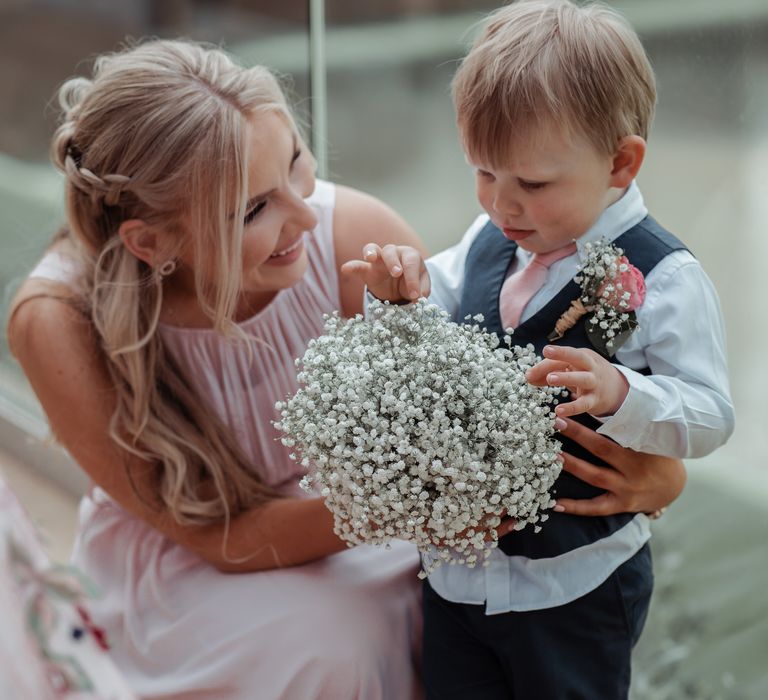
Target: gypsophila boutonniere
(611, 290)
(416, 428)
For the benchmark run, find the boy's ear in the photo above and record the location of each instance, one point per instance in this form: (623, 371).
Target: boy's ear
(627, 161)
(140, 240)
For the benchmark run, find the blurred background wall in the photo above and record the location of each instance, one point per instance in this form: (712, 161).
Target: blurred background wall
(390, 131)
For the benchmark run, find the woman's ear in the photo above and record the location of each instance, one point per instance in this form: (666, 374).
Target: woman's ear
(140, 240)
(627, 160)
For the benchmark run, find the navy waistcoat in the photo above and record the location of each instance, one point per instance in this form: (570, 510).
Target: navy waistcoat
(488, 259)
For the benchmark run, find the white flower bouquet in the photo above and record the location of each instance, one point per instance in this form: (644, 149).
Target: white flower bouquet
(417, 428)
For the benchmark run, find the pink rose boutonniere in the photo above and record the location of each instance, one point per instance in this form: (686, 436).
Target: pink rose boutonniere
(611, 290)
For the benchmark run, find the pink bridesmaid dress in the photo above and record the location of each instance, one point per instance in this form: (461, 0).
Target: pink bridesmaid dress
(343, 628)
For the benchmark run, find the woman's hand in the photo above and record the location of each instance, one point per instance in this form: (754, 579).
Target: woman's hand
(395, 273)
(636, 483)
(506, 526)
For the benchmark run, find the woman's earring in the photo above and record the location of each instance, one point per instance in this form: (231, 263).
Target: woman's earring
(167, 268)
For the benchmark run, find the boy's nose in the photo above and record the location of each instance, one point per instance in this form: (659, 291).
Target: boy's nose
(507, 205)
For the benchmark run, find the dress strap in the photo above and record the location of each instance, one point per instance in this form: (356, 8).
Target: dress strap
(56, 267)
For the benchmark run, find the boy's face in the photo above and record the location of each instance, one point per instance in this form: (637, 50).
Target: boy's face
(550, 192)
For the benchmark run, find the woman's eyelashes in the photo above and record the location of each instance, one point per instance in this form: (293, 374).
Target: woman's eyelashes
(253, 213)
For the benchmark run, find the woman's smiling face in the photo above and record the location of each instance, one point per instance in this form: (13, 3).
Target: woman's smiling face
(281, 175)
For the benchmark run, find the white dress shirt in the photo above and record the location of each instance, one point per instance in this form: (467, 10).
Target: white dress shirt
(683, 409)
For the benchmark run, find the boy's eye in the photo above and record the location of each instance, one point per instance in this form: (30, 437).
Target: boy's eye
(528, 185)
(484, 174)
(251, 215)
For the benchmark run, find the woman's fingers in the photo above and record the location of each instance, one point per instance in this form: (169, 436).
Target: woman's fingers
(600, 446)
(604, 504)
(599, 477)
(506, 526)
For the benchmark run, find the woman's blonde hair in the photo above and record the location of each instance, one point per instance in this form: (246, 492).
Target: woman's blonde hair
(158, 134)
(582, 68)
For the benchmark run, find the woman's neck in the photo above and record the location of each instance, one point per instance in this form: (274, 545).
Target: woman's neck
(182, 308)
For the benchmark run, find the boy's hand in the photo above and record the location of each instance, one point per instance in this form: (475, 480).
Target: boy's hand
(598, 386)
(395, 273)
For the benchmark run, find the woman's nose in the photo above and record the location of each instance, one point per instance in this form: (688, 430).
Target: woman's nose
(302, 215)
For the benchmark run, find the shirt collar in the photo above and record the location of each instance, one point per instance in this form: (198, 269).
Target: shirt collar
(616, 219)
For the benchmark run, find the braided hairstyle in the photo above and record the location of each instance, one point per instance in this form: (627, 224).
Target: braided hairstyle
(158, 134)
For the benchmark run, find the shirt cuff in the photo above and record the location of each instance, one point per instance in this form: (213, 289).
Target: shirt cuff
(629, 424)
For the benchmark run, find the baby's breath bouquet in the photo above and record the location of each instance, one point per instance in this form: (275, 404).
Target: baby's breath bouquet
(417, 428)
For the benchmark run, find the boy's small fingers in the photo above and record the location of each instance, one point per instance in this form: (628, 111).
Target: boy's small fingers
(357, 268)
(391, 258)
(541, 369)
(573, 380)
(573, 408)
(371, 252)
(411, 264)
(425, 283)
(578, 357)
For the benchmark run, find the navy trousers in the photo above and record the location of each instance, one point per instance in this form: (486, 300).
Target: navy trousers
(577, 651)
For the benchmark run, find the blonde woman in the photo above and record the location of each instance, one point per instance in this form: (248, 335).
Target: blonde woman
(158, 331)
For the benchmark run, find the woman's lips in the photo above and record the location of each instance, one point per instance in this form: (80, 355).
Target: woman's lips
(517, 234)
(288, 255)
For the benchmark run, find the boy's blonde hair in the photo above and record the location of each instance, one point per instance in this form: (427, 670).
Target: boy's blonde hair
(159, 134)
(581, 68)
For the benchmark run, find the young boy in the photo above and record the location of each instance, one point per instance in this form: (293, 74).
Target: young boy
(553, 107)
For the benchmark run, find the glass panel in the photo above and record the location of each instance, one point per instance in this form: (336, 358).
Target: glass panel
(391, 132)
(42, 43)
(391, 129)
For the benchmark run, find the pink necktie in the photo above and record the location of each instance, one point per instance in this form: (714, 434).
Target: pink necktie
(519, 288)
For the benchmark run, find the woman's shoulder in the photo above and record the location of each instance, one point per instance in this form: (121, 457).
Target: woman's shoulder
(44, 315)
(324, 195)
(47, 305)
(361, 218)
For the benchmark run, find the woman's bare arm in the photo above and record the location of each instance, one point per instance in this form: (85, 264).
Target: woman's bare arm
(61, 358)
(635, 482)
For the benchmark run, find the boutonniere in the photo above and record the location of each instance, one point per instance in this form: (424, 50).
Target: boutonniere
(611, 290)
